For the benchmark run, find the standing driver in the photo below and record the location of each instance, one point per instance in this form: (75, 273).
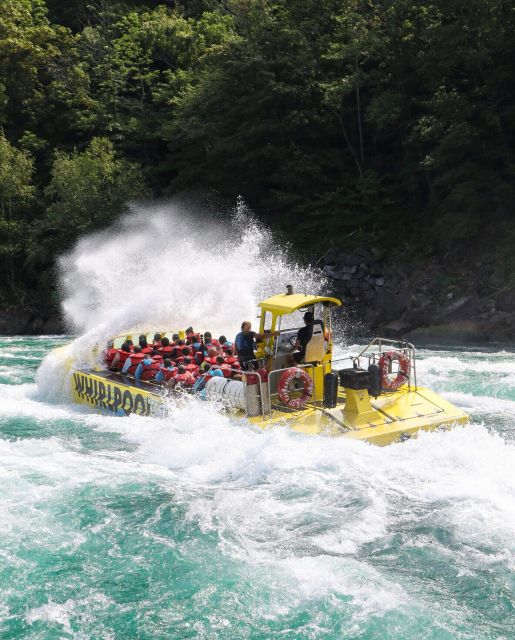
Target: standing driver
(245, 343)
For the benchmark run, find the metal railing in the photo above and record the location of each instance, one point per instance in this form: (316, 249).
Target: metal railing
(382, 345)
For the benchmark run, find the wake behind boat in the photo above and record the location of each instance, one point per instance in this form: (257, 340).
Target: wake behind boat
(373, 396)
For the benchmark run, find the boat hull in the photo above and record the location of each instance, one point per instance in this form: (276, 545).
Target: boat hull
(382, 421)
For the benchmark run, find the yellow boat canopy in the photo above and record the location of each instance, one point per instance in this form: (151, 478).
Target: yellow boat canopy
(284, 303)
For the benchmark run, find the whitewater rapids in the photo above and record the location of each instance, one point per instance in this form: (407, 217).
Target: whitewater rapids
(199, 526)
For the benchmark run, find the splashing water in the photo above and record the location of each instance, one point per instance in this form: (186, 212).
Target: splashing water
(163, 267)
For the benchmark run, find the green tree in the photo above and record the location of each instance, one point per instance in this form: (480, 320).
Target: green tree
(87, 191)
(16, 194)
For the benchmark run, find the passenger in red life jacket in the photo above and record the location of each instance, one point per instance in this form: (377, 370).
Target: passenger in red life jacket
(156, 342)
(231, 359)
(165, 350)
(191, 336)
(226, 368)
(133, 361)
(210, 359)
(184, 378)
(121, 356)
(166, 372)
(209, 341)
(175, 337)
(144, 345)
(224, 343)
(190, 366)
(147, 368)
(109, 353)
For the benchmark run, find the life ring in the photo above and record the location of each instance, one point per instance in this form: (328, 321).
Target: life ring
(288, 376)
(403, 374)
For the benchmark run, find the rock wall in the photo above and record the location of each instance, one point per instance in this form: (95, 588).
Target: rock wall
(21, 321)
(422, 303)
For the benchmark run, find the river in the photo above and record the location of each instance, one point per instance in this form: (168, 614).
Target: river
(199, 526)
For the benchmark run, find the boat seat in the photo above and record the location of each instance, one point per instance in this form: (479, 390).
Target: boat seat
(315, 348)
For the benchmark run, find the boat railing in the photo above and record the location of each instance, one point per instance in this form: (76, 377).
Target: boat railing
(375, 349)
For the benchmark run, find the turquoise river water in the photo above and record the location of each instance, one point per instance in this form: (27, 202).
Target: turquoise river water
(198, 526)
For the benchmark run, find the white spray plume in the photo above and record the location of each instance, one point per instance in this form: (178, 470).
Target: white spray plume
(164, 268)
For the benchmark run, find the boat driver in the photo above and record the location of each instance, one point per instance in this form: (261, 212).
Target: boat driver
(303, 337)
(246, 343)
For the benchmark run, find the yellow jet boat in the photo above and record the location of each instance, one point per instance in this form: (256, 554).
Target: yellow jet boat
(373, 396)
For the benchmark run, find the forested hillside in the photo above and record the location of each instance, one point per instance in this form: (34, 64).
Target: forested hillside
(345, 122)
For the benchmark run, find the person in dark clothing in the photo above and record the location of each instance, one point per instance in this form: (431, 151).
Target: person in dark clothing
(303, 337)
(245, 343)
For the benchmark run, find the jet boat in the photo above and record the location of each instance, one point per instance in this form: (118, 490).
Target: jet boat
(373, 396)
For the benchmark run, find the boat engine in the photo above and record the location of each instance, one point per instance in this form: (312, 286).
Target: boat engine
(362, 379)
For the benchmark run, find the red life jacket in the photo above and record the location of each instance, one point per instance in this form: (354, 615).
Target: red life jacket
(157, 358)
(123, 355)
(157, 344)
(149, 370)
(136, 358)
(193, 368)
(226, 370)
(185, 379)
(166, 351)
(109, 355)
(147, 350)
(211, 360)
(192, 339)
(168, 374)
(232, 360)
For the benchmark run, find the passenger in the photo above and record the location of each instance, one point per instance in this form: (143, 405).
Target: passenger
(231, 359)
(224, 368)
(209, 341)
(144, 344)
(156, 342)
(210, 359)
(109, 353)
(147, 368)
(303, 337)
(184, 378)
(129, 367)
(190, 366)
(224, 343)
(121, 356)
(166, 350)
(175, 337)
(203, 380)
(245, 343)
(166, 372)
(191, 336)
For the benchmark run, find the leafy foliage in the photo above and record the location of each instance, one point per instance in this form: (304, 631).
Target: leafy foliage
(338, 121)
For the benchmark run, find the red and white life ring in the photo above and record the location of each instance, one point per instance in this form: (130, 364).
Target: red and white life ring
(288, 376)
(403, 374)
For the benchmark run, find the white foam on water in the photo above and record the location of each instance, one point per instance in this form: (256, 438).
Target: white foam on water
(303, 508)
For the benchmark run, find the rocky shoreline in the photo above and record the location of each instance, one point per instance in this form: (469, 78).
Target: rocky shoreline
(30, 322)
(422, 304)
